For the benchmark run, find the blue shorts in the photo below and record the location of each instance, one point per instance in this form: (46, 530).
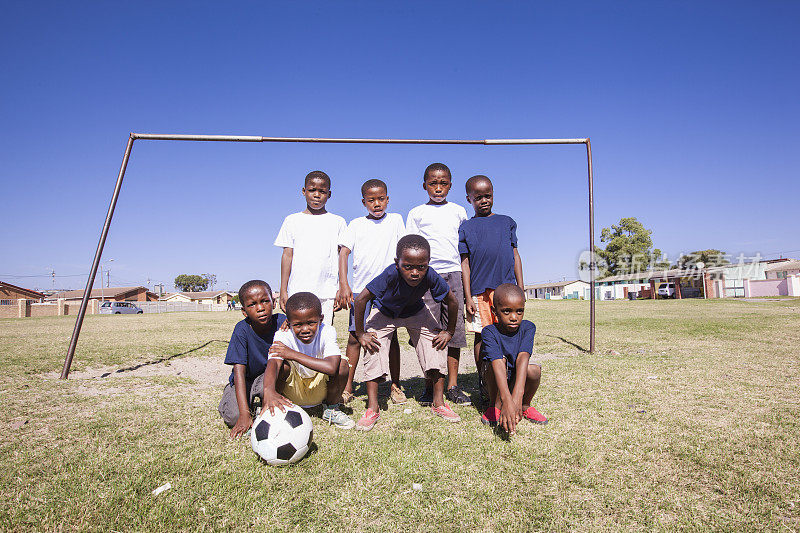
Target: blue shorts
(352, 323)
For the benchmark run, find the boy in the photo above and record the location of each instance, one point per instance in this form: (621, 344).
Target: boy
(305, 365)
(438, 221)
(509, 376)
(310, 246)
(488, 246)
(372, 240)
(247, 353)
(397, 293)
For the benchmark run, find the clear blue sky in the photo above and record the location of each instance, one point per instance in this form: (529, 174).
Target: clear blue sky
(692, 110)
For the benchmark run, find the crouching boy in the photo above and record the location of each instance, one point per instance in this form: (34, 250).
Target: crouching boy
(247, 353)
(305, 365)
(510, 378)
(398, 293)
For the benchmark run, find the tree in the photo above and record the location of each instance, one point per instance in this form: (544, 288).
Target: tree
(629, 249)
(709, 258)
(191, 283)
(212, 280)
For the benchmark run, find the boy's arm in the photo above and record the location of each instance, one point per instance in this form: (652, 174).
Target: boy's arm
(443, 337)
(286, 269)
(271, 397)
(469, 305)
(509, 413)
(326, 365)
(344, 295)
(521, 369)
(368, 340)
(518, 269)
(244, 421)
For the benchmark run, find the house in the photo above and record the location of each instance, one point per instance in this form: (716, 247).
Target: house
(558, 290)
(686, 283)
(10, 293)
(116, 294)
(783, 269)
(203, 297)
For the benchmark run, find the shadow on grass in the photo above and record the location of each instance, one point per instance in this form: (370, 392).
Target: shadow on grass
(161, 360)
(562, 339)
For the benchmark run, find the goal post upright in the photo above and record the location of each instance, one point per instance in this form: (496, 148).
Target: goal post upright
(255, 138)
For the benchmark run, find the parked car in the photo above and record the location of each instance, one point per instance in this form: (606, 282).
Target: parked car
(666, 290)
(120, 308)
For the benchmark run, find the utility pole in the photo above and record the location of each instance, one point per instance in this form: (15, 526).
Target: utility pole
(108, 278)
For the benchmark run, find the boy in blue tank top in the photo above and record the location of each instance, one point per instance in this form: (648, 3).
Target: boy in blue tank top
(510, 378)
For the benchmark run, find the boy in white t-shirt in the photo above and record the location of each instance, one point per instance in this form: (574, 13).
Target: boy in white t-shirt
(305, 365)
(310, 247)
(438, 221)
(373, 241)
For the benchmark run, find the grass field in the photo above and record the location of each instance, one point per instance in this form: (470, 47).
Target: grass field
(687, 417)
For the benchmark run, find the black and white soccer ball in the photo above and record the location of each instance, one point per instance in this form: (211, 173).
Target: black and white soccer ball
(282, 438)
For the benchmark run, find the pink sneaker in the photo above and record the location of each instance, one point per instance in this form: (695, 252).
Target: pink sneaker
(368, 420)
(490, 416)
(445, 412)
(534, 416)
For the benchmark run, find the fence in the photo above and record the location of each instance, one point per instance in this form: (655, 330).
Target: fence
(22, 308)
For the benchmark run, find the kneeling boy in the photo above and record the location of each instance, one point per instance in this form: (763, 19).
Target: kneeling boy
(398, 293)
(305, 365)
(509, 376)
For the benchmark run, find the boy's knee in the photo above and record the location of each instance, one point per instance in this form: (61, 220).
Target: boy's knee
(534, 372)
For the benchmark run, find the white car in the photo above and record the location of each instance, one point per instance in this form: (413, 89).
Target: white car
(666, 290)
(120, 308)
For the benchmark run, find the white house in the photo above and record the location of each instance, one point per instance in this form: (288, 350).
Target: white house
(203, 297)
(558, 290)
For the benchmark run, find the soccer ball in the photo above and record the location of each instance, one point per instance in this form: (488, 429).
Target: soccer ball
(282, 438)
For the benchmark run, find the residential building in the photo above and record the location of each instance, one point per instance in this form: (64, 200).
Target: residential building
(116, 294)
(558, 290)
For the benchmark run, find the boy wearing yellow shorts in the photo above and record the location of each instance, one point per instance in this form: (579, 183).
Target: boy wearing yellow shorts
(305, 365)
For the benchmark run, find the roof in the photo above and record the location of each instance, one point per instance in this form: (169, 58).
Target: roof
(200, 295)
(105, 292)
(554, 284)
(32, 293)
(657, 274)
(792, 264)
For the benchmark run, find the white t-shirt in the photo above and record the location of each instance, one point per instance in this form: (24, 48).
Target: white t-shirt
(373, 244)
(315, 261)
(323, 345)
(439, 224)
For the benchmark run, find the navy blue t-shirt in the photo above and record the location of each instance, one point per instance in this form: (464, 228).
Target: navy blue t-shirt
(251, 349)
(489, 242)
(498, 345)
(398, 299)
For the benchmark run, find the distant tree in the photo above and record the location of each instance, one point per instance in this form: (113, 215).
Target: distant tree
(212, 280)
(191, 283)
(629, 248)
(709, 258)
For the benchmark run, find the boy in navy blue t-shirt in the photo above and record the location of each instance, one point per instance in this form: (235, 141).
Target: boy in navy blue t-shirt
(397, 302)
(248, 352)
(487, 243)
(510, 378)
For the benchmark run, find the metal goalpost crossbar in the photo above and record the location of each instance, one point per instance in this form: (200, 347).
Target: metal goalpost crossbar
(253, 138)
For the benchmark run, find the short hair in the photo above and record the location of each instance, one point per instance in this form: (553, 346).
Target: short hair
(474, 180)
(412, 242)
(317, 175)
(371, 184)
(434, 167)
(250, 285)
(503, 291)
(303, 300)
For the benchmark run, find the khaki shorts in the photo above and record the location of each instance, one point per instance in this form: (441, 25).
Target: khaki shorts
(422, 328)
(483, 311)
(439, 309)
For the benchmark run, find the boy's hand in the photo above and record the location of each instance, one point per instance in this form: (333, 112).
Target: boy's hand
(469, 307)
(369, 341)
(344, 296)
(273, 400)
(441, 339)
(284, 326)
(243, 423)
(282, 300)
(510, 414)
(281, 350)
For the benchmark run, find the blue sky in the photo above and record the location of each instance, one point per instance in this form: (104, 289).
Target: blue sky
(691, 107)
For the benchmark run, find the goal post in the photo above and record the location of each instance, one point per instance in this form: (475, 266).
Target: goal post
(256, 138)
